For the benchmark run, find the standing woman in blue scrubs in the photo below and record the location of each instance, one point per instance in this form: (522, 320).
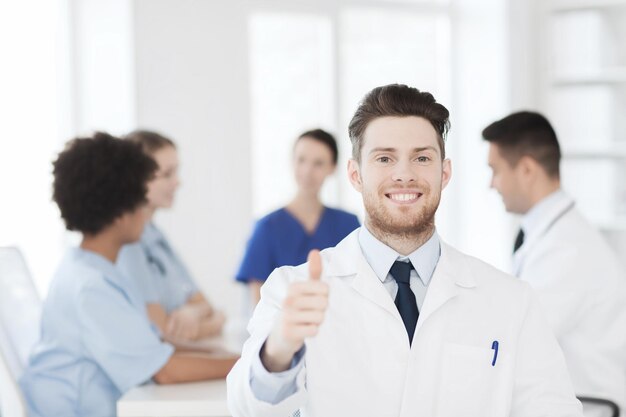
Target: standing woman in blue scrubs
(96, 341)
(174, 302)
(285, 236)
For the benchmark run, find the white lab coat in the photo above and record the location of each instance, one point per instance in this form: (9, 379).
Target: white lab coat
(581, 286)
(361, 364)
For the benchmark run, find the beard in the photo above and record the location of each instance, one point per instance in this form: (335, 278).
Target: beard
(411, 224)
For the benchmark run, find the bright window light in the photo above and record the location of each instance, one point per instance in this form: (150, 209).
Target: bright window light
(30, 132)
(292, 91)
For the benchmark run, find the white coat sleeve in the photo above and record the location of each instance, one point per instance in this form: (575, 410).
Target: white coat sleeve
(542, 384)
(242, 401)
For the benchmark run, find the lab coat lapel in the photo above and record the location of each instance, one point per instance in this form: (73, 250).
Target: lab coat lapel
(557, 211)
(448, 279)
(520, 256)
(369, 286)
(348, 262)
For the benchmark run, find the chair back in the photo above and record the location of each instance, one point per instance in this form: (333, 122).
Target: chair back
(20, 315)
(11, 398)
(599, 406)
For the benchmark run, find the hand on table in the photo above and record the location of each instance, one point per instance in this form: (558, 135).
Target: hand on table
(183, 324)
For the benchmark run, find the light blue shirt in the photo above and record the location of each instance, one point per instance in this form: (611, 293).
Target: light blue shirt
(381, 257)
(96, 342)
(274, 387)
(157, 270)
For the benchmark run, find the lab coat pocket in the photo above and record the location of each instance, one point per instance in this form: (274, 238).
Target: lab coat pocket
(467, 381)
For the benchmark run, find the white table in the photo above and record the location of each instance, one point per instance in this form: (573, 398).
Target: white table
(197, 399)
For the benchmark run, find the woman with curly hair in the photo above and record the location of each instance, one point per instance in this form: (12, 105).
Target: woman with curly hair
(96, 340)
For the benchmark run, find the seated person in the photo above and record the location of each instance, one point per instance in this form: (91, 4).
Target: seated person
(285, 236)
(173, 300)
(96, 340)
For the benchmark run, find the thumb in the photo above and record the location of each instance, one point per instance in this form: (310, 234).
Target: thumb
(315, 265)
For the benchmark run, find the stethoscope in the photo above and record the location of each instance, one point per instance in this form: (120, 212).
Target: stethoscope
(554, 221)
(154, 260)
(562, 213)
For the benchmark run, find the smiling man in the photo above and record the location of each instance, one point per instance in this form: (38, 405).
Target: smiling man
(392, 321)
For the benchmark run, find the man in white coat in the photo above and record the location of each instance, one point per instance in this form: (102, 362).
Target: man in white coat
(578, 278)
(392, 322)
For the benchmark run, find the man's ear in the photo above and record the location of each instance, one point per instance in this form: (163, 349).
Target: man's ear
(354, 175)
(527, 166)
(446, 173)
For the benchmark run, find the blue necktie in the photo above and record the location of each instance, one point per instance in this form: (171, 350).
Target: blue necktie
(519, 241)
(405, 299)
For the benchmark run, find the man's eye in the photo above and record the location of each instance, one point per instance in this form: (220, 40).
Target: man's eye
(383, 159)
(423, 159)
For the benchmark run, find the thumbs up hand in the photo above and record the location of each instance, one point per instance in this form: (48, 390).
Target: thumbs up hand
(303, 313)
(314, 261)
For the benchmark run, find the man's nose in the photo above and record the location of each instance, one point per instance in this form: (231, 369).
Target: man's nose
(404, 172)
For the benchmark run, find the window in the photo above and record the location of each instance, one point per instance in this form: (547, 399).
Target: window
(32, 127)
(311, 69)
(292, 91)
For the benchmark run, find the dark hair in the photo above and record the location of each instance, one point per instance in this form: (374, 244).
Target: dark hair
(325, 138)
(397, 100)
(99, 178)
(149, 140)
(526, 133)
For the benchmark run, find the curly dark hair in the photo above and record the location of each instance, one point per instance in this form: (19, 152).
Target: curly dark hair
(99, 178)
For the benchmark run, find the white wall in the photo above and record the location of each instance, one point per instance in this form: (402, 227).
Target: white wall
(103, 87)
(192, 84)
(481, 95)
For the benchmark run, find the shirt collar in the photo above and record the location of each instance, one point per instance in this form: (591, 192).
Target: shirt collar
(544, 211)
(110, 273)
(99, 263)
(151, 235)
(381, 257)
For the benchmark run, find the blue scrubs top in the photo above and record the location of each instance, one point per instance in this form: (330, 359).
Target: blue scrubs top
(279, 239)
(96, 342)
(157, 270)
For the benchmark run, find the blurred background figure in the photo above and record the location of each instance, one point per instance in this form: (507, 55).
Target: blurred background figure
(285, 65)
(96, 340)
(285, 236)
(173, 300)
(559, 253)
